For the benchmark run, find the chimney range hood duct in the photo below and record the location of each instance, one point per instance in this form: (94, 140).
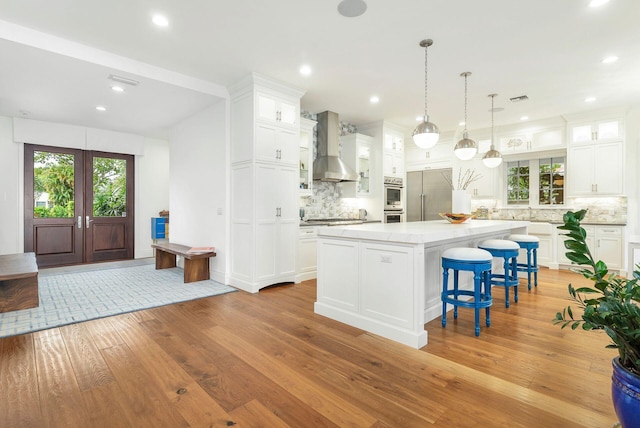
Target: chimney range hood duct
(328, 166)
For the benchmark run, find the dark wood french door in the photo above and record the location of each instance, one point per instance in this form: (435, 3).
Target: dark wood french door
(78, 205)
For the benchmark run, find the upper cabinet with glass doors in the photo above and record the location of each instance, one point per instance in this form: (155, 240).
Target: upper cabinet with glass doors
(277, 110)
(306, 155)
(357, 152)
(605, 130)
(525, 141)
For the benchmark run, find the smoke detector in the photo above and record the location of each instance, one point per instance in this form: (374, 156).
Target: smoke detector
(518, 99)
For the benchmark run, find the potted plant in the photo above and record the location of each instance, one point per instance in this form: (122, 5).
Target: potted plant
(610, 305)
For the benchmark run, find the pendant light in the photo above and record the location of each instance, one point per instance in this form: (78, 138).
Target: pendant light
(426, 134)
(466, 148)
(492, 158)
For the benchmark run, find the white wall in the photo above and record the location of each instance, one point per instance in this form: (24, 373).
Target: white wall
(11, 201)
(152, 191)
(632, 170)
(199, 185)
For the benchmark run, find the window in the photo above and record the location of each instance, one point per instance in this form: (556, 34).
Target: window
(551, 185)
(536, 182)
(518, 183)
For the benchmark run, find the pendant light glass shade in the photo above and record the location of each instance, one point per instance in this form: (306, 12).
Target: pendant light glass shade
(492, 158)
(466, 148)
(426, 134)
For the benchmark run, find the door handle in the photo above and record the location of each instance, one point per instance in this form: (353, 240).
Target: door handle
(87, 222)
(79, 222)
(421, 206)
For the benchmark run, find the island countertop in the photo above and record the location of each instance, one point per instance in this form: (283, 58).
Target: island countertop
(421, 232)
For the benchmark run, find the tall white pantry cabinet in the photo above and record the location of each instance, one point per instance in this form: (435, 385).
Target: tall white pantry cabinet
(265, 134)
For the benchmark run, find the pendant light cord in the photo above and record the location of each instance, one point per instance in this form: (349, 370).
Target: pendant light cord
(465, 102)
(492, 132)
(426, 49)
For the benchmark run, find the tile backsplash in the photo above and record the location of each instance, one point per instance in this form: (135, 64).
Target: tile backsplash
(326, 201)
(609, 210)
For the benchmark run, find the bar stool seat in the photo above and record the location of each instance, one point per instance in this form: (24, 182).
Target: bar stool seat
(473, 260)
(531, 244)
(507, 250)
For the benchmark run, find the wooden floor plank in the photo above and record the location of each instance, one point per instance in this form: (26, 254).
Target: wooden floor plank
(20, 401)
(88, 364)
(61, 397)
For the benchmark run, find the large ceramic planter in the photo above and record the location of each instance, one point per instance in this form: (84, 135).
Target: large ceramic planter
(625, 392)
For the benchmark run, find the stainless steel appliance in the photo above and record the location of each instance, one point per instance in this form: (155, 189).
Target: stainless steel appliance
(328, 166)
(393, 194)
(428, 193)
(393, 216)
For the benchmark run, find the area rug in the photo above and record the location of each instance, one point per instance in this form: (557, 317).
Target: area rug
(71, 297)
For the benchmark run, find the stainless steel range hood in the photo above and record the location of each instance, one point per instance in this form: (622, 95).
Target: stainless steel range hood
(328, 166)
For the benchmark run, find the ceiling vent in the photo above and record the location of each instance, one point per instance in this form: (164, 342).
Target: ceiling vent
(124, 80)
(518, 99)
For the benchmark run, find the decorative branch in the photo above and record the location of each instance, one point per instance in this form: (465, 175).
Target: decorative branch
(464, 179)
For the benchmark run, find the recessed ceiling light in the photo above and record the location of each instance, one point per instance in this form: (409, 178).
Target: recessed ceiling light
(305, 70)
(160, 20)
(374, 99)
(524, 117)
(101, 108)
(610, 59)
(419, 118)
(116, 88)
(462, 123)
(597, 3)
(589, 99)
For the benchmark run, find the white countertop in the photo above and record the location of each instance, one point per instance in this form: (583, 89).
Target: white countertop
(420, 232)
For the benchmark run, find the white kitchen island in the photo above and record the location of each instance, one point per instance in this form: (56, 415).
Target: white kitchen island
(387, 278)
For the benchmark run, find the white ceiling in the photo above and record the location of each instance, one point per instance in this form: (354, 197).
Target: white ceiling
(549, 50)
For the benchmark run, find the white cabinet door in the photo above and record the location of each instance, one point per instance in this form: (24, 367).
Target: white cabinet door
(580, 170)
(393, 164)
(485, 186)
(307, 253)
(277, 144)
(608, 168)
(604, 242)
(596, 169)
(609, 246)
(277, 220)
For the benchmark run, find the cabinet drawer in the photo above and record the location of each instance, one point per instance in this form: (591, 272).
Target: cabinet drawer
(308, 232)
(609, 231)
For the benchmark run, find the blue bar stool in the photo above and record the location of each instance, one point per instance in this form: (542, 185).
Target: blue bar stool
(473, 260)
(531, 244)
(508, 250)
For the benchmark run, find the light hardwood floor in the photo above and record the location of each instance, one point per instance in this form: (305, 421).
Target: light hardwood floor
(266, 360)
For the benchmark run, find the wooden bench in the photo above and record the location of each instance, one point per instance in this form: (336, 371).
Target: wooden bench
(196, 266)
(18, 282)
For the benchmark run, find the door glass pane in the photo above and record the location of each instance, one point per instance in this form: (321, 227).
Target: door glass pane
(109, 187)
(53, 184)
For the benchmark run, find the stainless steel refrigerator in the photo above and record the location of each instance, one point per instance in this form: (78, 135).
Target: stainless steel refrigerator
(428, 193)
